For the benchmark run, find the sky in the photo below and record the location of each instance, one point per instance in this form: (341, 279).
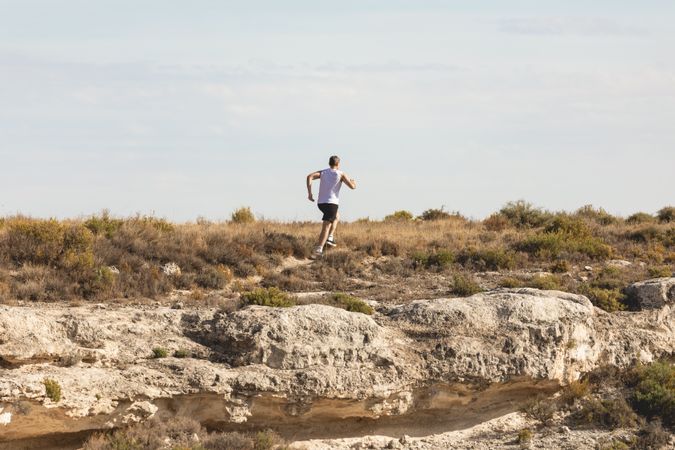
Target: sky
(193, 109)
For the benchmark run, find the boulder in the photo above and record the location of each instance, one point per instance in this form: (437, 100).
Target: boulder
(652, 294)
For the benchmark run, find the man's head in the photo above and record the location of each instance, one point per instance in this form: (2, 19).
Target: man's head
(334, 161)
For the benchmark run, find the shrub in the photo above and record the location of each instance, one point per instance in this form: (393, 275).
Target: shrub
(560, 266)
(610, 300)
(286, 280)
(666, 214)
(487, 259)
(496, 222)
(52, 389)
(510, 282)
(439, 259)
(564, 237)
(351, 303)
(243, 215)
(213, 277)
(522, 214)
(607, 413)
(268, 297)
(399, 216)
(524, 436)
(540, 408)
(284, 244)
(464, 286)
(660, 271)
(381, 247)
(181, 353)
(652, 436)
(545, 282)
(159, 352)
(103, 224)
(640, 217)
(439, 214)
(598, 215)
(655, 392)
(574, 391)
(34, 241)
(267, 440)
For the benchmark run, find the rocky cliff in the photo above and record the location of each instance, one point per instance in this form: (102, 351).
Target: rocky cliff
(311, 371)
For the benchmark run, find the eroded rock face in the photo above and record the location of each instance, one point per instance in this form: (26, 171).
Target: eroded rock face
(653, 294)
(310, 367)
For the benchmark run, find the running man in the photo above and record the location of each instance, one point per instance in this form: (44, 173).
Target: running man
(329, 193)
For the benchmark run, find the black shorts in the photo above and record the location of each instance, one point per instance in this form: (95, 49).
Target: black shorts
(329, 211)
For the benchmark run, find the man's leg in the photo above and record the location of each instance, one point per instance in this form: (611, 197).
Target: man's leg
(333, 227)
(323, 237)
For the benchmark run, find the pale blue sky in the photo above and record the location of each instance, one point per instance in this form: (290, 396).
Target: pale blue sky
(187, 109)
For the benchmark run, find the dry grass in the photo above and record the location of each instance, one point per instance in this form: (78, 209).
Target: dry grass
(104, 258)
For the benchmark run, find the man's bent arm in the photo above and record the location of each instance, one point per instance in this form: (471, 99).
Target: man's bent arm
(349, 181)
(310, 177)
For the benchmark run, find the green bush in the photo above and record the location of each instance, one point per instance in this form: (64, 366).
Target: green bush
(439, 259)
(350, 303)
(103, 224)
(439, 214)
(243, 215)
(610, 300)
(399, 216)
(524, 436)
(52, 389)
(598, 215)
(655, 392)
(159, 352)
(272, 296)
(554, 244)
(545, 282)
(607, 413)
(181, 353)
(510, 282)
(660, 271)
(487, 259)
(464, 286)
(666, 214)
(522, 214)
(560, 266)
(640, 217)
(35, 241)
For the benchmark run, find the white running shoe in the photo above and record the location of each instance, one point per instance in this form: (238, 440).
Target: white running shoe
(331, 242)
(318, 252)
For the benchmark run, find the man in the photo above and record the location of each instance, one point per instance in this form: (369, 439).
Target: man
(329, 193)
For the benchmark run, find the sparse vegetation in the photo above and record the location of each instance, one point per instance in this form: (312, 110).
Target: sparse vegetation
(181, 433)
(103, 257)
(654, 395)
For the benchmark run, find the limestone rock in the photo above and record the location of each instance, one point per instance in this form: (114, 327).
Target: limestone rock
(653, 294)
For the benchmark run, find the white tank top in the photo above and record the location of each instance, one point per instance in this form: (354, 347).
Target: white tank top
(329, 186)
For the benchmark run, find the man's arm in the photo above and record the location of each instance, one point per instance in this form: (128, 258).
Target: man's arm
(348, 181)
(310, 177)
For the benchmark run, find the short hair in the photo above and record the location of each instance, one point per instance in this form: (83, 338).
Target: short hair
(333, 161)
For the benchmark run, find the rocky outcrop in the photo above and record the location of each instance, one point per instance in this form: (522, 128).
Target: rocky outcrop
(313, 370)
(652, 294)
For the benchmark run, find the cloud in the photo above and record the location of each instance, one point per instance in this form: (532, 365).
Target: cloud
(568, 26)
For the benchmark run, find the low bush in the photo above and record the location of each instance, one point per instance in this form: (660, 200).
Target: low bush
(510, 282)
(181, 353)
(435, 214)
(159, 352)
(610, 300)
(540, 408)
(52, 389)
(497, 222)
(522, 214)
(597, 215)
(545, 282)
(243, 215)
(560, 266)
(666, 214)
(268, 297)
(399, 216)
(655, 392)
(464, 286)
(524, 436)
(610, 413)
(439, 259)
(660, 271)
(350, 303)
(652, 436)
(487, 259)
(639, 218)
